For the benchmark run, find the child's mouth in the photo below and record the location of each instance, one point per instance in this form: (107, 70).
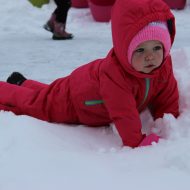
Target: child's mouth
(149, 66)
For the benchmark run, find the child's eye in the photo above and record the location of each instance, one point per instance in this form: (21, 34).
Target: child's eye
(139, 50)
(157, 48)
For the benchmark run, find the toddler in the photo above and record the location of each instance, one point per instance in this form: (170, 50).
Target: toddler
(136, 74)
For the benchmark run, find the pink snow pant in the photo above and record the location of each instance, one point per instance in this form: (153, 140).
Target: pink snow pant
(46, 102)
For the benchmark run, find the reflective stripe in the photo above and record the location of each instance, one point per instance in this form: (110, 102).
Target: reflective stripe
(93, 102)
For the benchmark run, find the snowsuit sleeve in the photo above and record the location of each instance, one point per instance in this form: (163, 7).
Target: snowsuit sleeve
(121, 106)
(167, 100)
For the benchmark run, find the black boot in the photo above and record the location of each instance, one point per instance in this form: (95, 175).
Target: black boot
(16, 78)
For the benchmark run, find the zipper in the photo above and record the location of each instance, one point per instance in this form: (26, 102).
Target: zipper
(147, 84)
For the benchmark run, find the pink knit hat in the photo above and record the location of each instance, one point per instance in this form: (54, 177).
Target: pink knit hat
(157, 30)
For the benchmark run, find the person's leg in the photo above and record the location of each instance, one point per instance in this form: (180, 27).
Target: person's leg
(14, 98)
(32, 84)
(51, 103)
(59, 14)
(62, 10)
(57, 22)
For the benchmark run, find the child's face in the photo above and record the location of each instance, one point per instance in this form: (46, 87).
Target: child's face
(147, 56)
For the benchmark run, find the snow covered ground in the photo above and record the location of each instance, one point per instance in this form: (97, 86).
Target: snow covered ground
(38, 155)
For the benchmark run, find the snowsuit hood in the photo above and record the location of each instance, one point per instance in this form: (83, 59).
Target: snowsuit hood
(128, 18)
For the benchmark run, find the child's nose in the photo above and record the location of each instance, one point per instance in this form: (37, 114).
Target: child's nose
(149, 56)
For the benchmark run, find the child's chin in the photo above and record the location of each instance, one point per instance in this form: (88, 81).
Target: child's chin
(149, 70)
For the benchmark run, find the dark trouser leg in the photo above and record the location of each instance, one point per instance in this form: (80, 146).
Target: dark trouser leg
(62, 10)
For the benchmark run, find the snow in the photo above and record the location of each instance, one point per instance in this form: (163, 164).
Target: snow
(43, 156)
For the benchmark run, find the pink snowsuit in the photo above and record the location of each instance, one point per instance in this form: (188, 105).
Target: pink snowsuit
(105, 90)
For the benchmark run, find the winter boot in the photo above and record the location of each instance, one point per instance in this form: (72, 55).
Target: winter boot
(60, 33)
(16, 78)
(49, 26)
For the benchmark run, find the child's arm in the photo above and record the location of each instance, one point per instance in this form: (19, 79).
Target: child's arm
(167, 101)
(121, 106)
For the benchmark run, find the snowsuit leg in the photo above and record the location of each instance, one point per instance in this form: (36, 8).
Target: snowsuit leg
(46, 102)
(35, 85)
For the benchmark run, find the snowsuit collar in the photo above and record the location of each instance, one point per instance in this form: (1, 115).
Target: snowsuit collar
(130, 16)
